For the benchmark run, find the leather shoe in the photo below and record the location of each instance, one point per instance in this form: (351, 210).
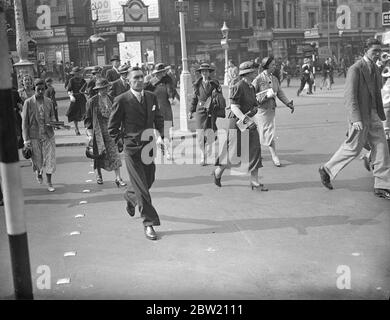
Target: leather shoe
(217, 181)
(382, 193)
(130, 209)
(150, 233)
(366, 162)
(325, 178)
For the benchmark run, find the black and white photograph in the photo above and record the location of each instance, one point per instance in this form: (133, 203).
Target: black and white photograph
(194, 150)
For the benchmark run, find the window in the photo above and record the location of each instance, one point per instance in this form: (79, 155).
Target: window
(62, 20)
(359, 19)
(211, 5)
(289, 15)
(246, 15)
(259, 8)
(312, 20)
(368, 19)
(196, 9)
(277, 12)
(376, 20)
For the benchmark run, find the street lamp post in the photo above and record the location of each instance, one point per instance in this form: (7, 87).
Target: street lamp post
(329, 27)
(185, 78)
(24, 66)
(225, 45)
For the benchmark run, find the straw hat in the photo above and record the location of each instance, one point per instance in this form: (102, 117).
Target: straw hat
(247, 67)
(160, 67)
(101, 83)
(205, 66)
(386, 72)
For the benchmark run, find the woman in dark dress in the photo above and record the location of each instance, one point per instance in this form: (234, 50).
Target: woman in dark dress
(203, 89)
(161, 84)
(76, 111)
(243, 104)
(99, 109)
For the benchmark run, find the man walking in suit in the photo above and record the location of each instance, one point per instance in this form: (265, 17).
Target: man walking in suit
(122, 84)
(113, 74)
(138, 112)
(364, 103)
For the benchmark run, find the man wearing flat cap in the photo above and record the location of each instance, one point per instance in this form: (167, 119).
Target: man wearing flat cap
(88, 88)
(122, 84)
(114, 74)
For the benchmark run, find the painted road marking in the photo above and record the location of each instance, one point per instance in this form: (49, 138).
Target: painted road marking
(75, 233)
(83, 202)
(70, 254)
(63, 281)
(79, 216)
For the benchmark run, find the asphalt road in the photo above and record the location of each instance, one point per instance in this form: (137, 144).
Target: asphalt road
(297, 241)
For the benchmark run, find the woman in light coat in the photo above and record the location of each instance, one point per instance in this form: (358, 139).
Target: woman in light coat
(267, 89)
(38, 133)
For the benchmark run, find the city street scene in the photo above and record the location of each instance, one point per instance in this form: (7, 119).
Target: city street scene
(195, 150)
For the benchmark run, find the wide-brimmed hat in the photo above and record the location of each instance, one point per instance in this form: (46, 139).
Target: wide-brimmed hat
(76, 70)
(267, 61)
(205, 66)
(306, 60)
(247, 67)
(386, 72)
(160, 67)
(101, 83)
(123, 69)
(96, 70)
(115, 57)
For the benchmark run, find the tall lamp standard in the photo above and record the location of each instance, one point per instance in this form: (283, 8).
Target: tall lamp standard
(24, 66)
(225, 46)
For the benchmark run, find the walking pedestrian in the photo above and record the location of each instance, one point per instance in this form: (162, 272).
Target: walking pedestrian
(113, 74)
(67, 71)
(364, 103)
(286, 72)
(76, 110)
(61, 71)
(326, 69)
(205, 121)
(27, 89)
(162, 86)
(99, 109)
(136, 111)
(243, 106)
(267, 88)
(232, 73)
(122, 84)
(50, 92)
(38, 134)
(306, 77)
(88, 86)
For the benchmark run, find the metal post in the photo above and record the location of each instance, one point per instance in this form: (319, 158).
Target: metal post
(11, 178)
(185, 78)
(226, 67)
(329, 27)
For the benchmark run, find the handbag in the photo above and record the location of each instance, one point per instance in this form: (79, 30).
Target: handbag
(90, 154)
(27, 152)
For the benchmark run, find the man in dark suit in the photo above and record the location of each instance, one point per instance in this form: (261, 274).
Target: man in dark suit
(122, 84)
(138, 113)
(113, 74)
(364, 103)
(88, 87)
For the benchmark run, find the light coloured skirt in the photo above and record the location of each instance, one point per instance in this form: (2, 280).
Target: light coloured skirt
(265, 119)
(44, 155)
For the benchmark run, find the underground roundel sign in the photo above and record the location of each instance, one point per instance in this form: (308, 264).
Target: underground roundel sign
(136, 11)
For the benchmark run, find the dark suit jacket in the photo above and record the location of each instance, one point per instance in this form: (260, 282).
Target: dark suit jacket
(112, 75)
(134, 119)
(359, 93)
(117, 88)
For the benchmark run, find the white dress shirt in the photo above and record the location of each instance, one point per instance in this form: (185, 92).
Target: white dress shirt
(138, 95)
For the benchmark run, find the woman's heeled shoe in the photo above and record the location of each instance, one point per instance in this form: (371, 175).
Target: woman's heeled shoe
(99, 180)
(120, 183)
(255, 186)
(217, 181)
(77, 131)
(276, 162)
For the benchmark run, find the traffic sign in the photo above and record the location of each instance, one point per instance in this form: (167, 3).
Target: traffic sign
(386, 18)
(182, 6)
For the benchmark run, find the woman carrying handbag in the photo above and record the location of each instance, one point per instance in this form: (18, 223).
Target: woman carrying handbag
(105, 151)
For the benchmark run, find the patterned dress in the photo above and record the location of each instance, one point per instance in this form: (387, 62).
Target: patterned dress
(44, 148)
(97, 116)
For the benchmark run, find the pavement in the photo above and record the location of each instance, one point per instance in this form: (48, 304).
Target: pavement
(297, 241)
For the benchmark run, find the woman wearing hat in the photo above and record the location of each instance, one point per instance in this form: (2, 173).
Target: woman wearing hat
(38, 134)
(99, 109)
(161, 84)
(205, 122)
(268, 88)
(76, 111)
(243, 104)
(306, 77)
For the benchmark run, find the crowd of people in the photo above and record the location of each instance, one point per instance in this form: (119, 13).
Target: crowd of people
(117, 109)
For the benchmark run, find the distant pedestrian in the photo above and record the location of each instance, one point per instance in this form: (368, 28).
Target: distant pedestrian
(88, 87)
(135, 111)
(99, 109)
(122, 84)
(326, 70)
(27, 89)
(113, 74)
(38, 133)
(364, 103)
(286, 72)
(50, 92)
(306, 77)
(205, 121)
(76, 110)
(267, 88)
(67, 71)
(61, 71)
(232, 73)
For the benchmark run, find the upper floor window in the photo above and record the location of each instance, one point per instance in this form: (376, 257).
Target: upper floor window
(359, 19)
(368, 19)
(312, 21)
(211, 6)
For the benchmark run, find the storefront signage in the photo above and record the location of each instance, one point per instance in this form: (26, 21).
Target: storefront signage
(311, 33)
(130, 52)
(38, 34)
(135, 11)
(78, 31)
(262, 35)
(60, 32)
(386, 18)
(141, 29)
(121, 37)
